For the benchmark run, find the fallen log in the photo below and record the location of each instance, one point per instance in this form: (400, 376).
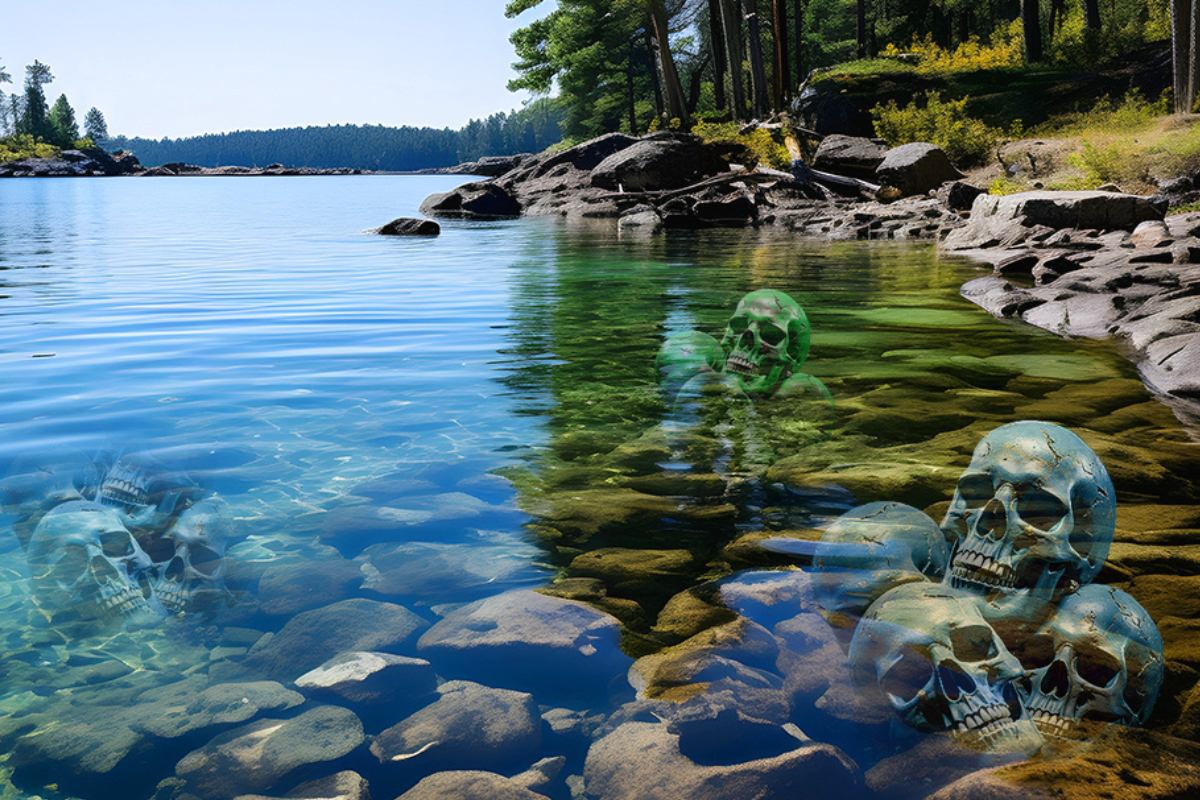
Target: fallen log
(758, 176)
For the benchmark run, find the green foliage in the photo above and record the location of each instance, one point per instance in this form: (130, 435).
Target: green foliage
(1005, 185)
(1133, 112)
(94, 125)
(23, 145)
(1003, 51)
(64, 129)
(760, 142)
(966, 140)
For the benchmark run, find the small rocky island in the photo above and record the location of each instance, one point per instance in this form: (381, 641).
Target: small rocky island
(95, 162)
(1082, 264)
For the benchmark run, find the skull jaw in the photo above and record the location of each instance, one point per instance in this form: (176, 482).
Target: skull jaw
(1014, 736)
(754, 378)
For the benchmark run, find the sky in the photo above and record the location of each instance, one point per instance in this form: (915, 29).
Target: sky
(182, 67)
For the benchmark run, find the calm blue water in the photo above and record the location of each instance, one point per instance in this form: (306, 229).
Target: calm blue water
(355, 400)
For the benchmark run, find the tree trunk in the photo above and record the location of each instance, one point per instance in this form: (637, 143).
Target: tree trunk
(1183, 51)
(964, 23)
(782, 67)
(1057, 10)
(694, 85)
(758, 74)
(861, 29)
(672, 89)
(798, 22)
(651, 62)
(1031, 25)
(629, 86)
(1091, 9)
(716, 35)
(730, 20)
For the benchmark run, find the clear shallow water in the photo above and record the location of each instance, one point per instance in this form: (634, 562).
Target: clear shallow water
(350, 395)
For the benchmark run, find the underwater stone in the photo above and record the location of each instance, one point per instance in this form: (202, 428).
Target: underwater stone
(372, 678)
(527, 640)
(769, 596)
(407, 226)
(181, 708)
(287, 589)
(470, 785)
(468, 726)
(427, 569)
(313, 637)
(345, 785)
(643, 761)
(258, 756)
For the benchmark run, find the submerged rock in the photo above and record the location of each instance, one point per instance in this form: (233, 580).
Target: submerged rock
(345, 785)
(372, 679)
(526, 640)
(314, 636)
(469, 726)
(260, 755)
(476, 785)
(407, 226)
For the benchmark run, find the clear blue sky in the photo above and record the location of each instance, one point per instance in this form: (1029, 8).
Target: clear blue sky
(179, 67)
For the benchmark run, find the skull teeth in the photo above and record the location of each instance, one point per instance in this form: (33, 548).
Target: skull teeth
(124, 603)
(987, 727)
(737, 363)
(122, 493)
(1051, 723)
(971, 570)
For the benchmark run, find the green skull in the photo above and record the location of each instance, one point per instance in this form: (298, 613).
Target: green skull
(765, 341)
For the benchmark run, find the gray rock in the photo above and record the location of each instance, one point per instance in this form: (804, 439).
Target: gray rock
(482, 200)
(1172, 365)
(379, 679)
(1151, 233)
(854, 156)
(662, 161)
(644, 219)
(469, 785)
(182, 708)
(916, 168)
(259, 756)
(408, 226)
(426, 569)
(1009, 220)
(647, 761)
(311, 638)
(288, 589)
(999, 297)
(490, 166)
(470, 726)
(345, 785)
(958, 195)
(768, 597)
(526, 640)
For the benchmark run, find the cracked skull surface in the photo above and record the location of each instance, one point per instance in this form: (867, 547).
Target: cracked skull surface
(765, 340)
(937, 662)
(1098, 658)
(85, 565)
(194, 577)
(1032, 519)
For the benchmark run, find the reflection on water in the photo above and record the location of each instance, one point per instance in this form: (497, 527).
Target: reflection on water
(332, 466)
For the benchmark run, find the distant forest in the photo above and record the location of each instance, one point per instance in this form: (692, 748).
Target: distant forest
(377, 147)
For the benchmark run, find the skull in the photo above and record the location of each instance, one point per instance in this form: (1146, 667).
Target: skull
(869, 550)
(765, 340)
(33, 487)
(194, 577)
(1031, 520)
(1099, 657)
(85, 565)
(685, 355)
(937, 662)
(146, 493)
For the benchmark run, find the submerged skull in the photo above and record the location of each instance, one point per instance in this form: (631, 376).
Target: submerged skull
(765, 340)
(1031, 520)
(1099, 658)
(145, 492)
(685, 355)
(871, 549)
(194, 577)
(937, 662)
(85, 565)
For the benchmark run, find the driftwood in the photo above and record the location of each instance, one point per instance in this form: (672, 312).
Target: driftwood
(758, 176)
(803, 173)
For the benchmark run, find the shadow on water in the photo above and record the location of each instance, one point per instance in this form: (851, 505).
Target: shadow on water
(387, 444)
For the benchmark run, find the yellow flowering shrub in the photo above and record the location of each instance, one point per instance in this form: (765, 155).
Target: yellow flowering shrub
(967, 141)
(1004, 51)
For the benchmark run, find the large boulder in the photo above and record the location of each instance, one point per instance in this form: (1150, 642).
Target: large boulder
(258, 756)
(469, 727)
(372, 679)
(916, 168)
(481, 200)
(407, 226)
(855, 156)
(661, 161)
(1009, 220)
(648, 761)
(523, 639)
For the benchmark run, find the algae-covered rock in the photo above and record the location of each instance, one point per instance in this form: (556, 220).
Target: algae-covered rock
(633, 571)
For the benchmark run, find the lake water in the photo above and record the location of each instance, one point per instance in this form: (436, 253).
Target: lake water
(415, 424)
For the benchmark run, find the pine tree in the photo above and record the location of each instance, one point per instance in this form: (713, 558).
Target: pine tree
(34, 120)
(94, 126)
(64, 128)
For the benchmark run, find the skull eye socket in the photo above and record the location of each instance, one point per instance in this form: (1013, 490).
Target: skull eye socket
(1040, 509)
(908, 676)
(973, 643)
(73, 562)
(1096, 666)
(975, 490)
(205, 560)
(772, 335)
(1035, 651)
(738, 324)
(116, 544)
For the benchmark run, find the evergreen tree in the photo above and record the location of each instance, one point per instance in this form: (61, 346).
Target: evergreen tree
(6, 123)
(94, 126)
(34, 119)
(65, 130)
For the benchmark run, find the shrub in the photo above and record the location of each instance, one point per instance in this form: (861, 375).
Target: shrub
(1004, 51)
(1005, 185)
(1134, 111)
(759, 141)
(1098, 165)
(23, 145)
(967, 141)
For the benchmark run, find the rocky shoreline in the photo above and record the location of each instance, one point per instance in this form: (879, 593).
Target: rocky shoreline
(95, 162)
(1079, 264)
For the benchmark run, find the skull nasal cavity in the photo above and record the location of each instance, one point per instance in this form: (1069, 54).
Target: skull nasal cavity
(747, 339)
(955, 681)
(1056, 681)
(993, 521)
